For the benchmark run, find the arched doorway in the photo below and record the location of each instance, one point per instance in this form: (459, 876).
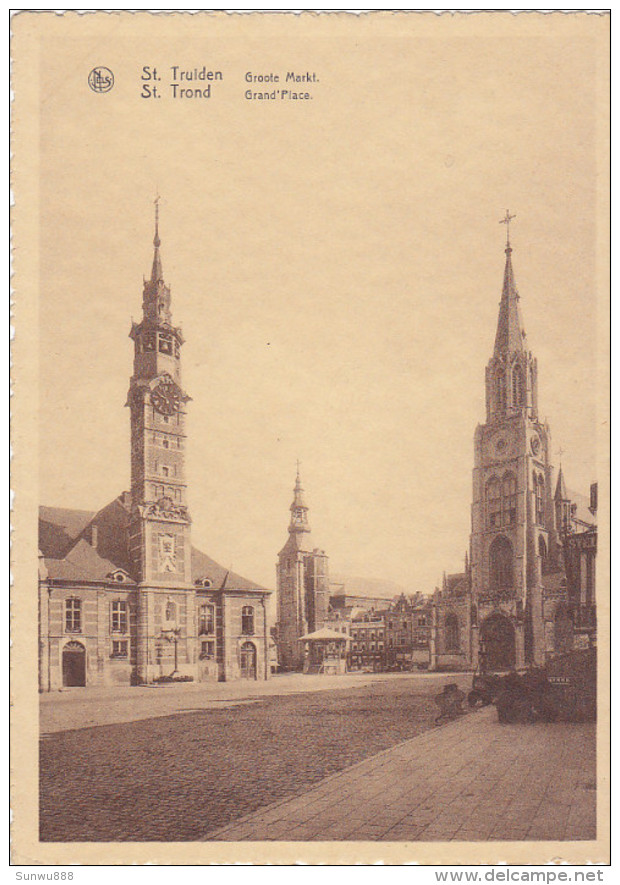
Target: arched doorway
(74, 664)
(248, 661)
(498, 637)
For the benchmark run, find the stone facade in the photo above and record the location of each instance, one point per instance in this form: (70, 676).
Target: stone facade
(124, 598)
(508, 607)
(303, 588)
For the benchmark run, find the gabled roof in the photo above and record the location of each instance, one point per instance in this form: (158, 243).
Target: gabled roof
(88, 545)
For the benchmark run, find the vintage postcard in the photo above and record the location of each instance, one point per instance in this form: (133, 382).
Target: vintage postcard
(311, 367)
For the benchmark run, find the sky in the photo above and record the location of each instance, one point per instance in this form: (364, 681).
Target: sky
(336, 266)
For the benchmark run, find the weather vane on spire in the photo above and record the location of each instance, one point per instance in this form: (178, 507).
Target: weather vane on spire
(506, 220)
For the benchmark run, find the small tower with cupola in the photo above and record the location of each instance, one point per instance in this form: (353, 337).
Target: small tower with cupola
(302, 573)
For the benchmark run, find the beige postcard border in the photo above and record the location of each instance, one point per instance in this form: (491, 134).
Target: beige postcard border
(29, 30)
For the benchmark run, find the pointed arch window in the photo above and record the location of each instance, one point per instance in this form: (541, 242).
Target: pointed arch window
(517, 387)
(501, 575)
(509, 499)
(494, 503)
(539, 492)
(542, 552)
(452, 632)
(500, 390)
(501, 501)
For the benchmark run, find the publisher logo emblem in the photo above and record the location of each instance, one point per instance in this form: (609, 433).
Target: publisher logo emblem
(101, 79)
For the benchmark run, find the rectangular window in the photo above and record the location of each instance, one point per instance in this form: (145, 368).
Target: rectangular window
(207, 650)
(165, 443)
(206, 620)
(119, 617)
(73, 615)
(165, 471)
(247, 620)
(120, 648)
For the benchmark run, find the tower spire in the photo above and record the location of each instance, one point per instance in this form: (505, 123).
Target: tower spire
(510, 336)
(156, 272)
(299, 508)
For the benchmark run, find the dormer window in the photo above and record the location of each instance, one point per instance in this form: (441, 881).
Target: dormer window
(119, 576)
(204, 582)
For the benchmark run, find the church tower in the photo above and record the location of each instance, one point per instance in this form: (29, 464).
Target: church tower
(159, 531)
(513, 539)
(303, 584)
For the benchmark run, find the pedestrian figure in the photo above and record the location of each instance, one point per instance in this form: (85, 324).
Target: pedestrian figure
(450, 703)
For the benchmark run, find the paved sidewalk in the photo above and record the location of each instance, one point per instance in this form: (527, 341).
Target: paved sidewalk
(470, 780)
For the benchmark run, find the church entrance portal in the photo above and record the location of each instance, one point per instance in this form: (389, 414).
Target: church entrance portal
(498, 639)
(248, 661)
(74, 664)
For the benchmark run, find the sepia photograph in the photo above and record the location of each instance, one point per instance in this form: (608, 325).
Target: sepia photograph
(311, 438)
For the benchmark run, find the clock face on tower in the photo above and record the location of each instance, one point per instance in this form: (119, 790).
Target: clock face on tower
(167, 397)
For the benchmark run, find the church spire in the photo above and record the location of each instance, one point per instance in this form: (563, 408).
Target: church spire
(156, 272)
(299, 509)
(560, 487)
(510, 336)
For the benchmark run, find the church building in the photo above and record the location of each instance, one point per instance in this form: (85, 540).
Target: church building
(510, 607)
(303, 585)
(124, 597)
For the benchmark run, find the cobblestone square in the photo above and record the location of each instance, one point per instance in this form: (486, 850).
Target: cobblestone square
(175, 777)
(358, 762)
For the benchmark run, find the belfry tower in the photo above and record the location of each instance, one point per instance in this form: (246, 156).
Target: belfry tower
(159, 533)
(303, 584)
(513, 539)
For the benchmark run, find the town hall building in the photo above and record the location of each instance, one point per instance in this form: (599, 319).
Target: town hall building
(512, 605)
(124, 596)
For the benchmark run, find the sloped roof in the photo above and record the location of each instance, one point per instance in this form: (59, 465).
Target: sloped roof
(66, 544)
(325, 633)
(582, 507)
(456, 584)
(82, 562)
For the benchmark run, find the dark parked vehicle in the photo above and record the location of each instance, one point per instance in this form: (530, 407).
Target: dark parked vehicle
(564, 689)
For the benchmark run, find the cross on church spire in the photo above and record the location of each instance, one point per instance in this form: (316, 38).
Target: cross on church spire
(506, 220)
